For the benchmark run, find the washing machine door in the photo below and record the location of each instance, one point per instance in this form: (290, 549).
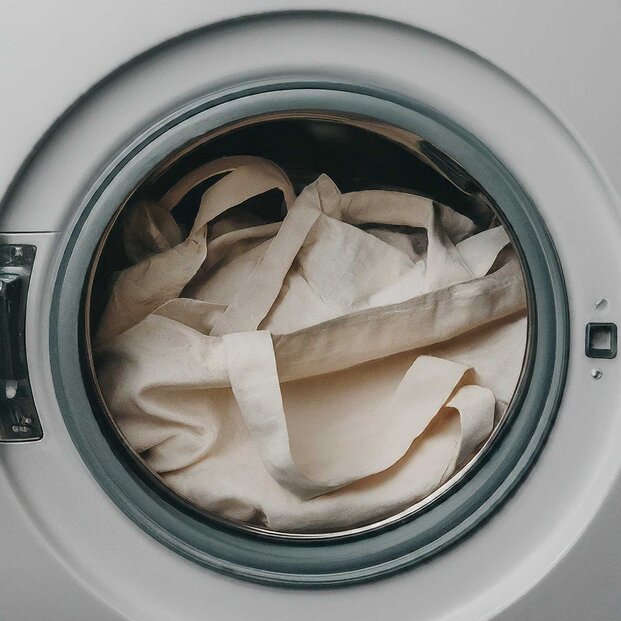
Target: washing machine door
(152, 553)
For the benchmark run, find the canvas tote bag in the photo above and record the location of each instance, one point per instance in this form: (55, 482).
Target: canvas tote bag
(315, 373)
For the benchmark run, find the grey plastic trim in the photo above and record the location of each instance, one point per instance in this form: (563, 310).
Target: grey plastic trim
(352, 559)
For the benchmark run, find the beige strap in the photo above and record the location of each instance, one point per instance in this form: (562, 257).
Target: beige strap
(385, 438)
(254, 300)
(379, 332)
(445, 264)
(470, 402)
(334, 345)
(142, 288)
(261, 174)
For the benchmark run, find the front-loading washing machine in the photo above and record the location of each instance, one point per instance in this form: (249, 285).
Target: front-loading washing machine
(505, 114)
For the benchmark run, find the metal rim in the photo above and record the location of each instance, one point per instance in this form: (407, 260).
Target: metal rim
(362, 556)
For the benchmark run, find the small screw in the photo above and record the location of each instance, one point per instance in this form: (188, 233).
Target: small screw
(596, 374)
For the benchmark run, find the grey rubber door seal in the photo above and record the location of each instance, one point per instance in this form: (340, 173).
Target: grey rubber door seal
(338, 561)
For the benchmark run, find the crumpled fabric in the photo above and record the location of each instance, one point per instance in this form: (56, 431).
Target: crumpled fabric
(316, 373)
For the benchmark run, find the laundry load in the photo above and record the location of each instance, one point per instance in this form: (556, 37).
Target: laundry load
(318, 372)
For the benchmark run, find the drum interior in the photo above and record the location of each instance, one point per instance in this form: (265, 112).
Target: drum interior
(358, 154)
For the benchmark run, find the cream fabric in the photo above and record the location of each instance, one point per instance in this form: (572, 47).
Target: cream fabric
(308, 375)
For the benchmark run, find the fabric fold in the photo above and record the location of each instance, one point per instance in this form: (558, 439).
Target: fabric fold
(283, 373)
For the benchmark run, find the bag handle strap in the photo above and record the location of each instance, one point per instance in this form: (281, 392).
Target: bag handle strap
(257, 295)
(445, 265)
(350, 340)
(262, 171)
(164, 274)
(421, 395)
(469, 402)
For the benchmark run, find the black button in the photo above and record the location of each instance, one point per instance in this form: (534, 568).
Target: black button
(601, 340)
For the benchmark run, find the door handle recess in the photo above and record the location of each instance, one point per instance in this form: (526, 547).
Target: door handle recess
(19, 421)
